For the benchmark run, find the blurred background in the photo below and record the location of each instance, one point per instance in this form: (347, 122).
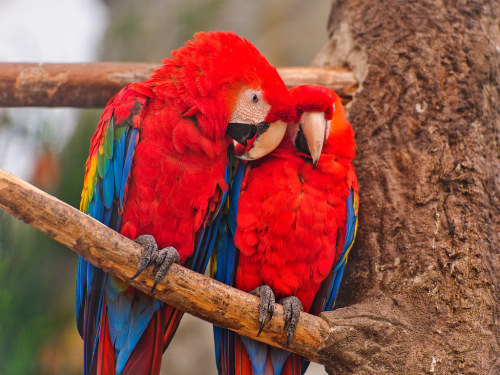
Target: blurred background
(48, 147)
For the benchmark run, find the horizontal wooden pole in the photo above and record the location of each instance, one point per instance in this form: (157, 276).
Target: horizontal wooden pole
(91, 85)
(189, 291)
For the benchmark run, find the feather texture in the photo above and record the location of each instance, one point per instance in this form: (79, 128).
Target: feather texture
(289, 226)
(158, 165)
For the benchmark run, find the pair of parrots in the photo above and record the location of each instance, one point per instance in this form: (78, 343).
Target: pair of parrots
(178, 163)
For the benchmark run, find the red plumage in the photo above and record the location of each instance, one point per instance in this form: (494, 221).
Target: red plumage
(174, 125)
(106, 356)
(172, 205)
(192, 97)
(292, 221)
(289, 214)
(146, 356)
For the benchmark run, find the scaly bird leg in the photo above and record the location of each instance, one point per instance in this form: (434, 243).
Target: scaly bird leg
(161, 259)
(266, 305)
(292, 308)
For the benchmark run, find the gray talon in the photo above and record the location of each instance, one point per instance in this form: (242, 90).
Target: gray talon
(148, 254)
(161, 259)
(167, 256)
(291, 309)
(266, 305)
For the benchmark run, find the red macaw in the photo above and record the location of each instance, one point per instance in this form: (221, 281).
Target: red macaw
(293, 218)
(158, 169)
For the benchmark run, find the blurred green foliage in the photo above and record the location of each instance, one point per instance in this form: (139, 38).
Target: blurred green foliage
(37, 274)
(29, 309)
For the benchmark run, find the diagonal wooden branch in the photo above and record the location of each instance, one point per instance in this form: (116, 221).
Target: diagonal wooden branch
(92, 84)
(196, 294)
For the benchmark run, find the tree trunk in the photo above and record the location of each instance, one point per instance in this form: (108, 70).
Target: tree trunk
(421, 293)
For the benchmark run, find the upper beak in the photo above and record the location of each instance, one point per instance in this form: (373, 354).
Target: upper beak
(269, 136)
(314, 127)
(241, 132)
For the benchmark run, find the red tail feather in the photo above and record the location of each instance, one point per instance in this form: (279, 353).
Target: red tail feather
(150, 345)
(106, 354)
(293, 365)
(243, 366)
(173, 318)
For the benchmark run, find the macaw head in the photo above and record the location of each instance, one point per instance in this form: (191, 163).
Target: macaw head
(231, 88)
(320, 123)
(255, 121)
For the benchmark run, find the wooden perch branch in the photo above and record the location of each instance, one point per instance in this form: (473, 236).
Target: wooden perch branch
(189, 291)
(90, 85)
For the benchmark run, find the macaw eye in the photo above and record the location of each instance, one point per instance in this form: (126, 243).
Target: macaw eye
(255, 99)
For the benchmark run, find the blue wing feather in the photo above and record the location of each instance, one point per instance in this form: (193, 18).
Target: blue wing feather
(225, 259)
(351, 224)
(80, 293)
(257, 352)
(131, 138)
(119, 306)
(96, 206)
(93, 283)
(208, 235)
(118, 160)
(226, 252)
(108, 186)
(278, 358)
(235, 196)
(141, 312)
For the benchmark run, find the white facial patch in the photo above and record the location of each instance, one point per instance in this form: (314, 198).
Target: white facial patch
(250, 107)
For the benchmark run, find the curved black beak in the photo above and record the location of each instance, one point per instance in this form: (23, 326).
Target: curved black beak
(242, 132)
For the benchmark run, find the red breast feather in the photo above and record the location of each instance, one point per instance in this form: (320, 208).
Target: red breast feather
(180, 160)
(289, 214)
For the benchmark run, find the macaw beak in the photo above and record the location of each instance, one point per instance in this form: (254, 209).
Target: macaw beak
(241, 132)
(269, 136)
(314, 127)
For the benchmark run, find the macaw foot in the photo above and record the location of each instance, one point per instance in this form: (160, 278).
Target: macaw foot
(292, 308)
(161, 259)
(266, 305)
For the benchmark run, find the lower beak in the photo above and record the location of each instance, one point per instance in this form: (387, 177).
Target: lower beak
(314, 127)
(268, 138)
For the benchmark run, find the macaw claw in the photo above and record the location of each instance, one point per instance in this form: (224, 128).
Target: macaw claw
(161, 259)
(266, 305)
(291, 308)
(149, 251)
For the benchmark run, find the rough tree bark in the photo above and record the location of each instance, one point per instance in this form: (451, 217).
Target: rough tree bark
(422, 290)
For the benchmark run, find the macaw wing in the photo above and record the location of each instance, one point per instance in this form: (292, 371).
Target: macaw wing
(224, 259)
(205, 242)
(207, 234)
(103, 195)
(327, 293)
(224, 262)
